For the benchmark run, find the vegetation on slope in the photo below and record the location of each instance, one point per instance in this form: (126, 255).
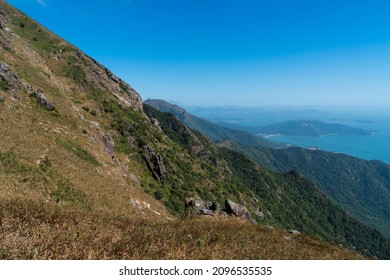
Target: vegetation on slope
(286, 200)
(214, 132)
(359, 186)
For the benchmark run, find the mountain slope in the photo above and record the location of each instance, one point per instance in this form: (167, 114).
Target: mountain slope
(214, 132)
(358, 186)
(85, 174)
(285, 200)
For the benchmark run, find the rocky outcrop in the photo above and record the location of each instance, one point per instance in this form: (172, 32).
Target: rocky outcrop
(4, 32)
(9, 80)
(198, 207)
(238, 210)
(44, 102)
(109, 144)
(156, 123)
(155, 164)
(104, 79)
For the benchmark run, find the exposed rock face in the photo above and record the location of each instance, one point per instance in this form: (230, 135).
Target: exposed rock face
(10, 79)
(44, 102)
(109, 144)
(4, 31)
(238, 210)
(198, 207)
(107, 81)
(155, 164)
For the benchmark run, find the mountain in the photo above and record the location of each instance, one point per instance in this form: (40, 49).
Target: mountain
(310, 128)
(88, 172)
(360, 187)
(214, 132)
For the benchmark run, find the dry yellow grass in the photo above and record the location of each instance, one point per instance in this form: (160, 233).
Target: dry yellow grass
(32, 230)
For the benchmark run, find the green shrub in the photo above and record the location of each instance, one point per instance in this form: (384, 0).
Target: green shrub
(159, 195)
(4, 85)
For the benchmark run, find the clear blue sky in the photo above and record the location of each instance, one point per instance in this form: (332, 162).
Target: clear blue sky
(234, 52)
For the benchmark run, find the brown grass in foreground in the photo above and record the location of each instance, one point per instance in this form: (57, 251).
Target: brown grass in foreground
(31, 230)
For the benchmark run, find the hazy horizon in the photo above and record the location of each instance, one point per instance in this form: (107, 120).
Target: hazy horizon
(263, 53)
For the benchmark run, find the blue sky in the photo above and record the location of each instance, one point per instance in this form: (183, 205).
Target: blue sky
(247, 52)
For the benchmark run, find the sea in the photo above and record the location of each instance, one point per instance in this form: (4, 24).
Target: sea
(368, 147)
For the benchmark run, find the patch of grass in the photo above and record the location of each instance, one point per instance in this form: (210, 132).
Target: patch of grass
(4, 85)
(66, 192)
(122, 146)
(78, 151)
(75, 72)
(10, 164)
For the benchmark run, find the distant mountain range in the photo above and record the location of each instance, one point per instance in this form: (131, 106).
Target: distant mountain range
(301, 128)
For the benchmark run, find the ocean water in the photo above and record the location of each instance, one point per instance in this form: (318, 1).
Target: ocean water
(376, 147)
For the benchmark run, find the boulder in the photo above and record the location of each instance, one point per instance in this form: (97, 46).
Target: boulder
(44, 102)
(294, 232)
(238, 210)
(195, 206)
(10, 78)
(109, 144)
(155, 164)
(156, 123)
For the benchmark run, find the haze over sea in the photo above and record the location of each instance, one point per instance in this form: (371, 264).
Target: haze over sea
(374, 147)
